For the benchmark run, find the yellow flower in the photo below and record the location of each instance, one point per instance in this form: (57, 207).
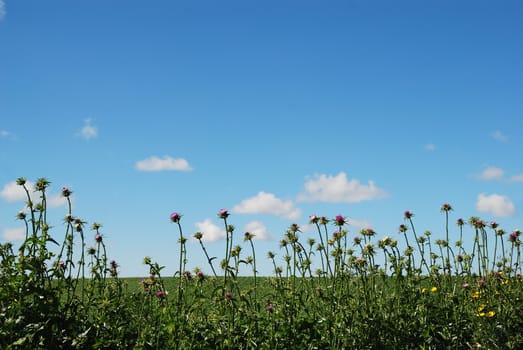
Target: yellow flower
(434, 289)
(490, 314)
(424, 290)
(475, 295)
(504, 282)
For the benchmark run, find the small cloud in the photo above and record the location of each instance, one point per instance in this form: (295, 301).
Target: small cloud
(430, 147)
(88, 131)
(491, 173)
(516, 178)
(14, 234)
(268, 203)
(2, 9)
(258, 229)
(12, 192)
(336, 189)
(159, 164)
(56, 200)
(496, 204)
(210, 231)
(4, 134)
(499, 136)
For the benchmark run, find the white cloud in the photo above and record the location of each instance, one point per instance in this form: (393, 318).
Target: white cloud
(498, 135)
(258, 229)
(516, 178)
(496, 204)
(12, 192)
(166, 163)
(88, 131)
(336, 189)
(492, 173)
(56, 200)
(14, 234)
(2, 9)
(430, 147)
(210, 231)
(268, 203)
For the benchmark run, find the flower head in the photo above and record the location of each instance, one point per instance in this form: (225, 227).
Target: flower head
(446, 207)
(313, 219)
(198, 235)
(66, 192)
(340, 220)
(175, 217)
(407, 214)
(223, 214)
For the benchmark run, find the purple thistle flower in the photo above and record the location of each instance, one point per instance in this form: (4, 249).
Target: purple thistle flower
(175, 217)
(340, 220)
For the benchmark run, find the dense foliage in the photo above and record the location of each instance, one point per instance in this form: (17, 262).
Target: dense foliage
(426, 295)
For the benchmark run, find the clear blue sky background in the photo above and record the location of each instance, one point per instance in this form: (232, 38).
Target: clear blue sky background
(275, 110)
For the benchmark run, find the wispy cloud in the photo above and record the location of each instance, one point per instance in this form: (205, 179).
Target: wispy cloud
(4, 134)
(499, 136)
(210, 231)
(268, 203)
(516, 178)
(359, 223)
(430, 147)
(14, 234)
(166, 163)
(88, 131)
(2, 9)
(491, 173)
(497, 205)
(258, 229)
(338, 188)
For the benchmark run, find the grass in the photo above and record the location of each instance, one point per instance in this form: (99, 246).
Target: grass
(428, 294)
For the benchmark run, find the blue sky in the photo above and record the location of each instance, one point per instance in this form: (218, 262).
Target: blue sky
(275, 110)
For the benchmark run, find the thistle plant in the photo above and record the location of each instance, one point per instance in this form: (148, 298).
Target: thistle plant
(70, 295)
